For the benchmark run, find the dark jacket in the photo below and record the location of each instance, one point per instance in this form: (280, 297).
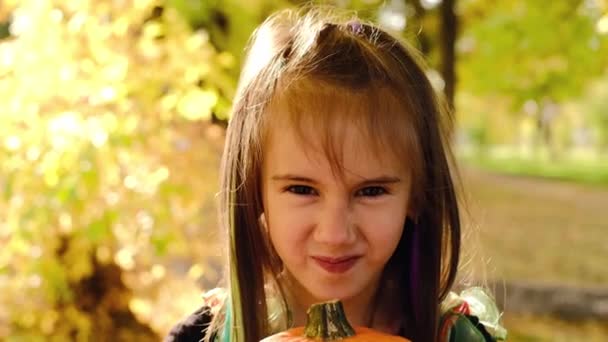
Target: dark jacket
(191, 329)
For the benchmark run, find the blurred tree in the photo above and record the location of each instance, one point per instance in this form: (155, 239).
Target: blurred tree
(431, 25)
(533, 52)
(107, 165)
(5, 20)
(229, 24)
(593, 123)
(449, 31)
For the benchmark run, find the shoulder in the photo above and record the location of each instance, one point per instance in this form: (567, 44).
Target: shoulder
(471, 316)
(194, 327)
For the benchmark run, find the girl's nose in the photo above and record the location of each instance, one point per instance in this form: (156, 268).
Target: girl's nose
(335, 225)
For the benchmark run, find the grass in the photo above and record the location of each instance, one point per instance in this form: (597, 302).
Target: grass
(582, 171)
(541, 230)
(533, 329)
(537, 229)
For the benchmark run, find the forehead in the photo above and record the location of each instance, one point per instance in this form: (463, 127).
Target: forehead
(351, 158)
(331, 137)
(332, 120)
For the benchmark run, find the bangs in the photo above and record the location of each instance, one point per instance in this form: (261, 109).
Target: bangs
(317, 111)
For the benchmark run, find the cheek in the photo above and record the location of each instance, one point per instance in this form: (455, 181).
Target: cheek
(383, 229)
(288, 226)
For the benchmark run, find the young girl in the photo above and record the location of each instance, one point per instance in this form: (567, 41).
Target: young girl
(337, 184)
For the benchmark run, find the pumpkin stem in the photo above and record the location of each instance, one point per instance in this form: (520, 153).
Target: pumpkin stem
(327, 321)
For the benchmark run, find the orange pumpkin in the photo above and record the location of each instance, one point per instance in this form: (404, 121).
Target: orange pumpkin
(327, 322)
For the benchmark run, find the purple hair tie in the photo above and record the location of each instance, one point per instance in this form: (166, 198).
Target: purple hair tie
(355, 27)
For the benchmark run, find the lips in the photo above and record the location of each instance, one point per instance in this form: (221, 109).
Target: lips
(336, 265)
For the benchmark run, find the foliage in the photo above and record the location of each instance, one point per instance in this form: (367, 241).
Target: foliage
(593, 172)
(229, 22)
(593, 104)
(529, 50)
(529, 59)
(107, 161)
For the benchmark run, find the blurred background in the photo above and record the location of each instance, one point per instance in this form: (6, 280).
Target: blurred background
(112, 120)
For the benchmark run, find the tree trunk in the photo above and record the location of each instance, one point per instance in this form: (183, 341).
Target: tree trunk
(423, 37)
(105, 298)
(449, 30)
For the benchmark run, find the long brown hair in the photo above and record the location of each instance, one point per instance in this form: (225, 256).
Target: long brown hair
(298, 61)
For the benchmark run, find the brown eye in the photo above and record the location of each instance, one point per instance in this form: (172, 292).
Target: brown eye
(302, 190)
(372, 191)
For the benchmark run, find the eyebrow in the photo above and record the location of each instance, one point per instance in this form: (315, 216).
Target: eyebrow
(375, 180)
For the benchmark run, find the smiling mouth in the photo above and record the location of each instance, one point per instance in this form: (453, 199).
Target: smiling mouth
(336, 265)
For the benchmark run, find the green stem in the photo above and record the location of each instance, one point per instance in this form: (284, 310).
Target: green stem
(327, 321)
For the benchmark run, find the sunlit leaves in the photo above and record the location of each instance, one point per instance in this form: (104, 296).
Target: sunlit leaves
(104, 155)
(528, 49)
(533, 57)
(197, 104)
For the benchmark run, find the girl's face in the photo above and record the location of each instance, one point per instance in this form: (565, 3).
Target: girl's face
(334, 233)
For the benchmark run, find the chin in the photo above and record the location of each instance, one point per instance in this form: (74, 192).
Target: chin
(325, 293)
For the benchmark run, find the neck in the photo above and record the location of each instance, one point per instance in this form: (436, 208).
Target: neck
(360, 310)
